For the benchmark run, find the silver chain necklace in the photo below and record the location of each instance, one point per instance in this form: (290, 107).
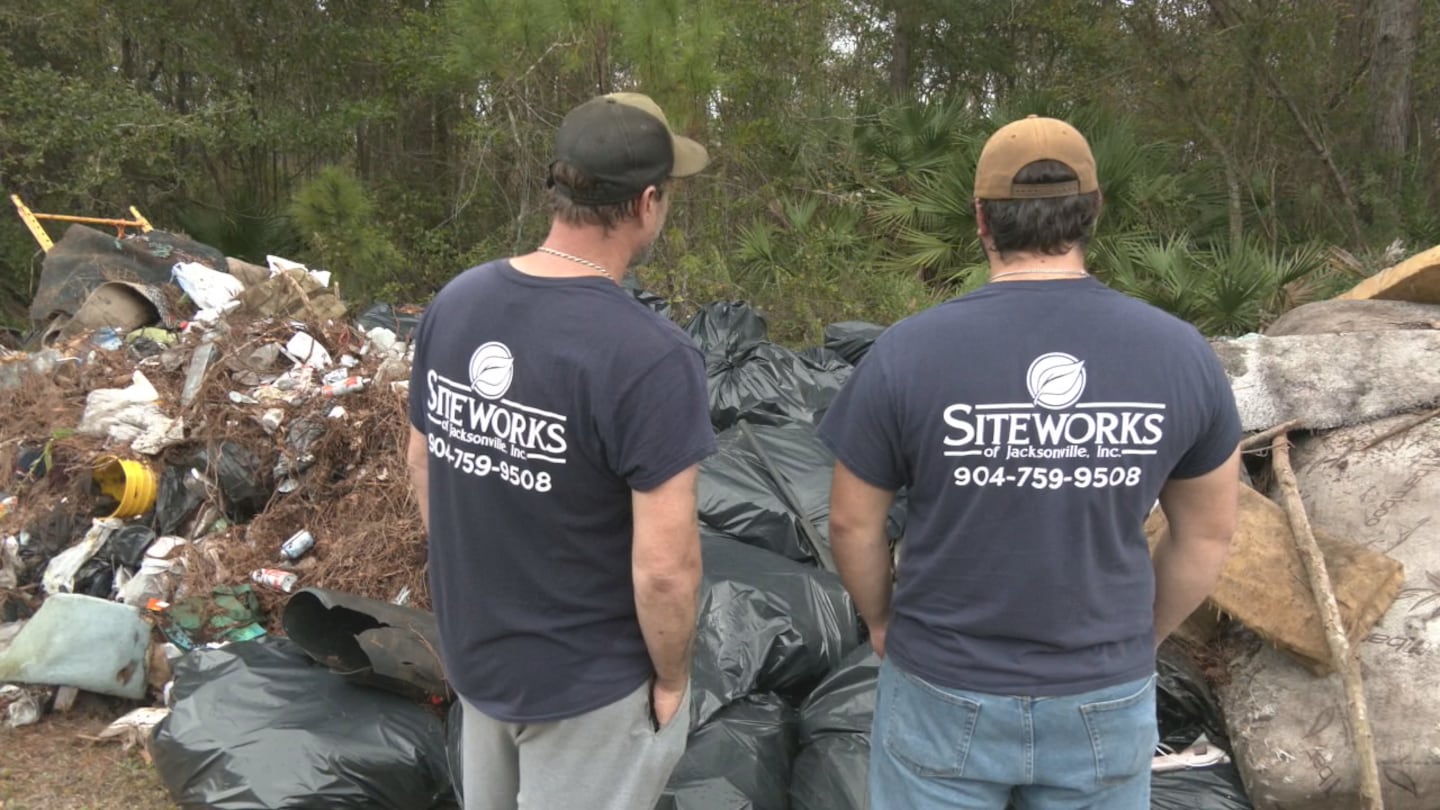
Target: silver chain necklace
(562, 254)
(1061, 273)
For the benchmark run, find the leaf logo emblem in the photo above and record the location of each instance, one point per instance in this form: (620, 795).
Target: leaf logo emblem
(492, 369)
(1056, 380)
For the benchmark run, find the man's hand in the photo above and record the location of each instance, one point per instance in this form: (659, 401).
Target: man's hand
(665, 702)
(877, 639)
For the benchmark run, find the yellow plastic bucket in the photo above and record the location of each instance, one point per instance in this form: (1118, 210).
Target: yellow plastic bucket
(131, 483)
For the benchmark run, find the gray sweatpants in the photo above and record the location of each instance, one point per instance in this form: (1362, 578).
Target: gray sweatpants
(611, 758)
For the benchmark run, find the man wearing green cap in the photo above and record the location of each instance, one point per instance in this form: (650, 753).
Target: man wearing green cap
(1034, 423)
(556, 429)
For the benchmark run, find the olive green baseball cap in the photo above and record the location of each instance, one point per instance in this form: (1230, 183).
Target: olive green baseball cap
(623, 143)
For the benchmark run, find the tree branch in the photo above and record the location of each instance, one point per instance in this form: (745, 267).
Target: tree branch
(1342, 658)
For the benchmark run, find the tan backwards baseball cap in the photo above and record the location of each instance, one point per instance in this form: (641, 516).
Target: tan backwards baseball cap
(1020, 143)
(624, 144)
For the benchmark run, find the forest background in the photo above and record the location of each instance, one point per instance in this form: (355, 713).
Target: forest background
(1254, 154)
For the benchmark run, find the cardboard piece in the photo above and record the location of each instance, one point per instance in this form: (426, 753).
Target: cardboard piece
(1415, 279)
(1265, 588)
(117, 304)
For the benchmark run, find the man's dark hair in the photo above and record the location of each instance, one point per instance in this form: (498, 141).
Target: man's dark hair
(570, 212)
(1049, 225)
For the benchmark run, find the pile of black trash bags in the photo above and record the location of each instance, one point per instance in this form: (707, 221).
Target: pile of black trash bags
(350, 710)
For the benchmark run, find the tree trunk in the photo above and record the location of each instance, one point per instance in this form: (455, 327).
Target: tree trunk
(902, 50)
(1393, 44)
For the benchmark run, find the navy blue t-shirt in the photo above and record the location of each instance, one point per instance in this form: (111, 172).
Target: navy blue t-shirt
(545, 402)
(1034, 424)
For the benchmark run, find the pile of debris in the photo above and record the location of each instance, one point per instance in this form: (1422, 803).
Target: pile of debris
(206, 510)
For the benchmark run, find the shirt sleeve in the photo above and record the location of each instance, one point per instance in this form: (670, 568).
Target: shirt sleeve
(661, 423)
(1221, 433)
(862, 426)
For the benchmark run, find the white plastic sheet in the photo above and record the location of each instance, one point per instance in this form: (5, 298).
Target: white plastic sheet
(209, 289)
(131, 416)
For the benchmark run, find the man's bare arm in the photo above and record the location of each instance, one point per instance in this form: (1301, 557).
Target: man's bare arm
(1202, 513)
(858, 511)
(418, 460)
(666, 568)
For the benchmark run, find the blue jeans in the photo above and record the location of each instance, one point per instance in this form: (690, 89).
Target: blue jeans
(933, 747)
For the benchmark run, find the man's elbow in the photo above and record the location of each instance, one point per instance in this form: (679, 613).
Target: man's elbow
(676, 580)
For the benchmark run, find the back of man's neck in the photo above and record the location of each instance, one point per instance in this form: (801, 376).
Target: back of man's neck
(1031, 266)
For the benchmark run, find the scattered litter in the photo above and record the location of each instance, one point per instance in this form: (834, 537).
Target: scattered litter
(59, 577)
(131, 416)
(297, 546)
(276, 579)
(107, 339)
(306, 351)
(22, 706)
(346, 386)
(136, 727)
(208, 289)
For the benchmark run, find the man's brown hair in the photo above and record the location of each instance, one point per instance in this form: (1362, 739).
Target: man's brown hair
(1049, 225)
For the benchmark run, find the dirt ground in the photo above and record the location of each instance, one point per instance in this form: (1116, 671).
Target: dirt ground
(51, 766)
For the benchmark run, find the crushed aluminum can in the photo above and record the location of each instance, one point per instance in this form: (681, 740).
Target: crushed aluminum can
(284, 581)
(298, 545)
(335, 376)
(345, 386)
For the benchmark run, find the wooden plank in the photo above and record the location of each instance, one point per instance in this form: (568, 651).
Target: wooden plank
(1415, 279)
(1264, 585)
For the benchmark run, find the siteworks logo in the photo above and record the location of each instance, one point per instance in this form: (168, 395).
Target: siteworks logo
(1056, 380)
(492, 369)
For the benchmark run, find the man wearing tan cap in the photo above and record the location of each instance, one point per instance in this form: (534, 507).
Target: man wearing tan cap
(556, 429)
(1034, 423)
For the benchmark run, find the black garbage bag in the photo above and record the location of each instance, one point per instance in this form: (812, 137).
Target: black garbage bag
(766, 625)
(245, 484)
(767, 384)
(740, 760)
(852, 339)
(369, 641)
(182, 493)
(754, 380)
(259, 725)
(400, 320)
(46, 537)
(1185, 705)
(831, 769)
(123, 549)
(95, 578)
(1215, 788)
(726, 327)
(653, 301)
(769, 486)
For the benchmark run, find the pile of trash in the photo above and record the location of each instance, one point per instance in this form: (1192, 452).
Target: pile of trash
(204, 509)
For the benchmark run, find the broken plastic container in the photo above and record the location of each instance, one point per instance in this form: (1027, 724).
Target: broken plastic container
(131, 483)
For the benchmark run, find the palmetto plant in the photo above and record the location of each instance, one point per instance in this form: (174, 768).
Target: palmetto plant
(1220, 289)
(1161, 234)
